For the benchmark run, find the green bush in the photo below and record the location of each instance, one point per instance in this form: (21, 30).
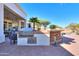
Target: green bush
(53, 26)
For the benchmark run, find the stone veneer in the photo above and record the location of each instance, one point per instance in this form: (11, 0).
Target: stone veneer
(56, 33)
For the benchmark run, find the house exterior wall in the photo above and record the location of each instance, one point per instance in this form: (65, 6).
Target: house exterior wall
(7, 21)
(27, 23)
(12, 7)
(2, 36)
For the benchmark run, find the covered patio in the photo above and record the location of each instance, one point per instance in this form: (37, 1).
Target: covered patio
(11, 19)
(11, 15)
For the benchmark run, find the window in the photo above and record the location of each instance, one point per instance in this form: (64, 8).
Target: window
(22, 24)
(5, 26)
(10, 25)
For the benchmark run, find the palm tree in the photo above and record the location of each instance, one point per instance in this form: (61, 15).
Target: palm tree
(34, 20)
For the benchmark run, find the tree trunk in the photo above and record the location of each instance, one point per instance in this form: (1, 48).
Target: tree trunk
(33, 26)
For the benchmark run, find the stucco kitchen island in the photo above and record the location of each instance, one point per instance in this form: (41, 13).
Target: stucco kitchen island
(33, 38)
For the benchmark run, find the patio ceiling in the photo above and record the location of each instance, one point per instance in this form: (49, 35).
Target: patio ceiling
(8, 13)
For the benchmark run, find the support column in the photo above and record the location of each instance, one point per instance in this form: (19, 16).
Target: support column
(2, 36)
(55, 36)
(19, 26)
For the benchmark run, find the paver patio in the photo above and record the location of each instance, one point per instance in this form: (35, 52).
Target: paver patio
(6, 49)
(73, 46)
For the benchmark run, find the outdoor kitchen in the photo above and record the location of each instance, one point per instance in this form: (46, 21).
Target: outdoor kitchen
(29, 37)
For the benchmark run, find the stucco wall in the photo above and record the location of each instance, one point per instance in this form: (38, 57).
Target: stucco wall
(2, 37)
(42, 40)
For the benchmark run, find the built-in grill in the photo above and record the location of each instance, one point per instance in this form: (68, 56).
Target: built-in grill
(29, 35)
(26, 34)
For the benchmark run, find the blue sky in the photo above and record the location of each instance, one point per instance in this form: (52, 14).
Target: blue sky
(60, 14)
